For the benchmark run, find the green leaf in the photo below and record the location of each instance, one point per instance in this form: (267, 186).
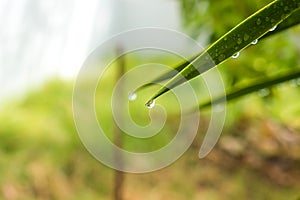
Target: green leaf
(241, 36)
(255, 86)
(292, 20)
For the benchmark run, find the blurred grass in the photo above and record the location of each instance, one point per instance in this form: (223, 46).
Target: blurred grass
(41, 156)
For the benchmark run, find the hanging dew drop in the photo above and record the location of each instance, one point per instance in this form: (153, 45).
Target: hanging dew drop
(132, 96)
(298, 81)
(273, 29)
(218, 108)
(263, 92)
(150, 104)
(254, 42)
(236, 55)
(280, 87)
(293, 83)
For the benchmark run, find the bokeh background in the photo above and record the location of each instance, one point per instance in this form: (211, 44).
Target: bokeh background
(42, 47)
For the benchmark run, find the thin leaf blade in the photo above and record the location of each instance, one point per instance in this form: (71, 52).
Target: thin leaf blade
(241, 36)
(254, 87)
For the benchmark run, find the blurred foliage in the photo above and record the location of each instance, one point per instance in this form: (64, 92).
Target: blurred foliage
(43, 158)
(257, 157)
(41, 155)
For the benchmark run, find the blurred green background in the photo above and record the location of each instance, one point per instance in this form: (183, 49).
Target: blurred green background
(257, 156)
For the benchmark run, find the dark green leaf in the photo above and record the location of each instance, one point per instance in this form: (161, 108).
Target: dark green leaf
(241, 36)
(257, 85)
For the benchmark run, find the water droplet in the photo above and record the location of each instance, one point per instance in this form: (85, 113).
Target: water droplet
(267, 19)
(293, 83)
(298, 81)
(274, 27)
(239, 41)
(255, 41)
(286, 9)
(280, 87)
(246, 37)
(236, 55)
(218, 107)
(222, 57)
(132, 96)
(258, 21)
(150, 104)
(263, 92)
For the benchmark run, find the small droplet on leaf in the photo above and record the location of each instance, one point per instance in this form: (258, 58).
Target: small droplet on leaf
(273, 29)
(218, 108)
(132, 96)
(246, 37)
(150, 104)
(263, 92)
(254, 42)
(298, 81)
(239, 41)
(258, 21)
(236, 55)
